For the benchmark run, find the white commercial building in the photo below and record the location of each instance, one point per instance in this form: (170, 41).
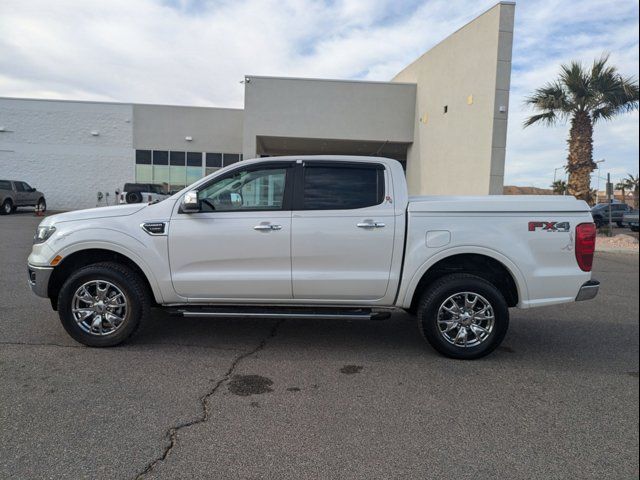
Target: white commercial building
(444, 116)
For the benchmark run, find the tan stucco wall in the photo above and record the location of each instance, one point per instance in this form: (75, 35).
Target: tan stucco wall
(462, 151)
(328, 109)
(165, 127)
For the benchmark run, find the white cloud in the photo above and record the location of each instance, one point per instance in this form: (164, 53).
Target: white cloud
(195, 52)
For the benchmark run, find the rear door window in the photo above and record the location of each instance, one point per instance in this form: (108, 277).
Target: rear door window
(341, 187)
(5, 185)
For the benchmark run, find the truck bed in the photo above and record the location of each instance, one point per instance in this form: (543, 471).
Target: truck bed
(497, 203)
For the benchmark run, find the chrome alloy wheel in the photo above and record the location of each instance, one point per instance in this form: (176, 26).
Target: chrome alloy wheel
(465, 319)
(99, 307)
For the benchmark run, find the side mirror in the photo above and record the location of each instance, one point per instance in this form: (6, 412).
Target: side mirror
(190, 203)
(236, 200)
(31, 190)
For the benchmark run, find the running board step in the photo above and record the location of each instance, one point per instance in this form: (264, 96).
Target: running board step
(319, 313)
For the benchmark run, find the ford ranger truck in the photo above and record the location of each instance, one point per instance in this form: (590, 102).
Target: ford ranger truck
(332, 237)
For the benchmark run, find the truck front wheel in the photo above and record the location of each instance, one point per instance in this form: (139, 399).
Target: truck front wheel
(7, 208)
(101, 305)
(463, 316)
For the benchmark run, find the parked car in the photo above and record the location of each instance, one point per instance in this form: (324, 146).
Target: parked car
(630, 219)
(15, 194)
(600, 213)
(316, 237)
(142, 192)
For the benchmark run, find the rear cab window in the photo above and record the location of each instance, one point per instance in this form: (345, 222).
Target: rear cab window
(5, 185)
(341, 186)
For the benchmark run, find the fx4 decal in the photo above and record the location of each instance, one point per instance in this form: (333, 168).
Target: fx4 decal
(550, 226)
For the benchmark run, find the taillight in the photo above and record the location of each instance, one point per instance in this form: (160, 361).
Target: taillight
(585, 245)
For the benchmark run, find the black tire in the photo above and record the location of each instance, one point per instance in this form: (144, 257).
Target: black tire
(7, 207)
(127, 281)
(439, 292)
(598, 221)
(134, 197)
(620, 224)
(42, 205)
(635, 229)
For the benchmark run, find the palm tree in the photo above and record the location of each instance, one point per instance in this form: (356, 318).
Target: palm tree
(584, 96)
(633, 183)
(622, 186)
(559, 187)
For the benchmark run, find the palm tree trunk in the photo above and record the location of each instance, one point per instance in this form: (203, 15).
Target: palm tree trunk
(580, 160)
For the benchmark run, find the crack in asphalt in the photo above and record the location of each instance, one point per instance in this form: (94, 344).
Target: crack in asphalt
(172, 433)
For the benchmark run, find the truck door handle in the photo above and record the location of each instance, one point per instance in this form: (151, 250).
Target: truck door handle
(371, 225)
(264, 227)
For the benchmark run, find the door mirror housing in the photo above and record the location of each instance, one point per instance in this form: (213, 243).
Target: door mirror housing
(190, 202)
(236, 200)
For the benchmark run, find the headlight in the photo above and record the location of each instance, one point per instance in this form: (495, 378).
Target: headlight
(43, 234)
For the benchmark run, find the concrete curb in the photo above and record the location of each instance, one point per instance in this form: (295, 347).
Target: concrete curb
(617, 250)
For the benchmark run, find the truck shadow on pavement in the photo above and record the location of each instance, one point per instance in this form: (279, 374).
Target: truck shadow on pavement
(555, 343)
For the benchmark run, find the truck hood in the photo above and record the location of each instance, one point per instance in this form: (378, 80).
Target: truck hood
(93, 213)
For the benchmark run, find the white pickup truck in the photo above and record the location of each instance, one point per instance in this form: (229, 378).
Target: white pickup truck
(321, 237)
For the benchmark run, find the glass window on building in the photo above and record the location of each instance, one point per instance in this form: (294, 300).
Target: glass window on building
(213, 162)
(144, 169)
(194, 167)
(177, 171)
(161, 168)
(230, 158)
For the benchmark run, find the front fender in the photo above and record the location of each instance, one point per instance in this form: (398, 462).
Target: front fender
(122, 250)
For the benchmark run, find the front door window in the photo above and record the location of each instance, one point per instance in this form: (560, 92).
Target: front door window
(246, 190)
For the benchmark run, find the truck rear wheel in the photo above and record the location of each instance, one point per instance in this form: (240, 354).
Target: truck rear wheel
(463, 316)
(7, 208)
(102, 305)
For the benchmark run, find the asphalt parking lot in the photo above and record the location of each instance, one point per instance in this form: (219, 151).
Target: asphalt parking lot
(206, 398)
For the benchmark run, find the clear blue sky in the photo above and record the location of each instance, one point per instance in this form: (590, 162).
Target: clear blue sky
(196, 52)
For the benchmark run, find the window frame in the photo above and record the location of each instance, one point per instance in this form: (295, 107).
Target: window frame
(298, 196)
(288, 186)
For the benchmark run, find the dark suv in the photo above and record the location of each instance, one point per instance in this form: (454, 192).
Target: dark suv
(600, 213)
(14, 194)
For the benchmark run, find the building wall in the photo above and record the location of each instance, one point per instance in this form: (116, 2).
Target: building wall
(176, 146)
(328, 109)
(462, 151)
(49, 145)
(164, 127)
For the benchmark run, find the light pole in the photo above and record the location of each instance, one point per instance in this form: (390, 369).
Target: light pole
(555, 171)
(598, 167)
